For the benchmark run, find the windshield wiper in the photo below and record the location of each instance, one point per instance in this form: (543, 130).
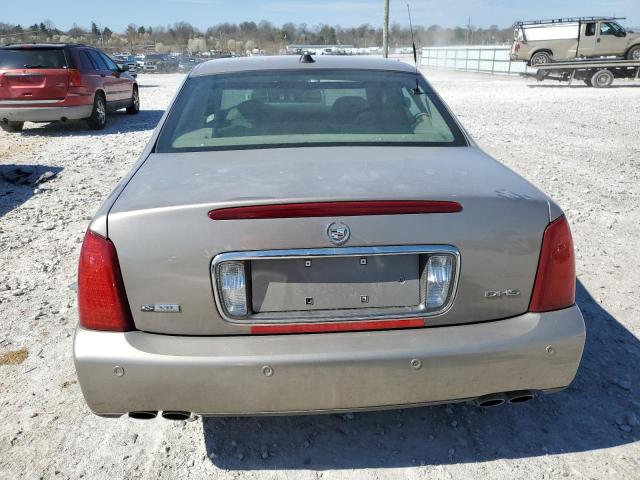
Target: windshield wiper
(35, 66)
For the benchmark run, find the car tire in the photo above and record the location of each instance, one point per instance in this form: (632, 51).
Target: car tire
(634, 53)
(602, 79)
(135, 102)
(12, 127)
(98, 118)
(540, 58)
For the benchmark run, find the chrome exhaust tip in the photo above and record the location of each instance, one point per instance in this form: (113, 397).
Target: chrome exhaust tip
(143, 415)
(176, 415)
(520, 396)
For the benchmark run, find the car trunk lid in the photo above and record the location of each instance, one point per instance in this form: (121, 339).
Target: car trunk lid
(166, 241)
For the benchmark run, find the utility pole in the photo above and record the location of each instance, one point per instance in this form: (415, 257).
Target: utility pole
(385, 30)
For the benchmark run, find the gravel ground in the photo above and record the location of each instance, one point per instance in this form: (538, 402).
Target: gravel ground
(580, 145)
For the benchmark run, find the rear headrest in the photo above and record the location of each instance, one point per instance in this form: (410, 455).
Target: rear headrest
(349, 105)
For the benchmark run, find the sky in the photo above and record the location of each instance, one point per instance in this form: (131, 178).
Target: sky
(117, 14)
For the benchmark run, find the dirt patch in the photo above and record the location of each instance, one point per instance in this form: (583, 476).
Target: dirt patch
(68, 383)
(14, 357)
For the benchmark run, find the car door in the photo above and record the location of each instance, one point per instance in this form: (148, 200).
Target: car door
(611, 39)
(588, 38)
(89, 70)
(122, 84)
(107, 81)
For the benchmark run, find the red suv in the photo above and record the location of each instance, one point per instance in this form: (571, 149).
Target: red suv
(51, 82)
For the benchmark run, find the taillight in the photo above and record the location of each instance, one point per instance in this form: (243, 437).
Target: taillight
(102, 301)
(75, 77)
(555, 285)
(517, 47)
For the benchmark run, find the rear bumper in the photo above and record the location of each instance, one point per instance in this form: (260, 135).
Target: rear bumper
(327, 372)
(45, 114)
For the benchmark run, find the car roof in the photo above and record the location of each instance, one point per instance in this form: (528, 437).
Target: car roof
(52, 46)
(292, 62)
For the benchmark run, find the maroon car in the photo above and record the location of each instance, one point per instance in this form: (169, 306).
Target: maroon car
(60, 82)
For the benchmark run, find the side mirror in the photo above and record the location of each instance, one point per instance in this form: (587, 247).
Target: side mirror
(123, 67)
(621, 34)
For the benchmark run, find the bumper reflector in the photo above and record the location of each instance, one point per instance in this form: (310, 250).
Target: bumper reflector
(338, 326)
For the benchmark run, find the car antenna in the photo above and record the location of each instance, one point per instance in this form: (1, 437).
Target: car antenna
(415, 91)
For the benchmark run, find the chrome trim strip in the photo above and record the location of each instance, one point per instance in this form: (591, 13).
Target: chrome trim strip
(335, 315)
(28, 102)
(23, 75)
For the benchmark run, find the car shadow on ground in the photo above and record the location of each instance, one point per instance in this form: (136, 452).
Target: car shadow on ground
(117, 122)
(589, 415)
(18, 183)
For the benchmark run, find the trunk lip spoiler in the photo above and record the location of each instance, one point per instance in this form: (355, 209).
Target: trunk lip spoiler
(336, 316)
(335, 209)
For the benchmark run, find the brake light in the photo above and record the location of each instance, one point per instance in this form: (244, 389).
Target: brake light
(75, 77)
(517, 47)
(555, 285)
(102, 301)
(335, 209)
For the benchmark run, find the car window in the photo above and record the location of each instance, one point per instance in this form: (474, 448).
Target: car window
(111, 65)
(299, 108)
(607, 28)
(85, 61)
(97, 60)
(32, 58)
(590, 29)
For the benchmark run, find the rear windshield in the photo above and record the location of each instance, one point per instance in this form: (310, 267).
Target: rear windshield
(305, 108)
(32, 58)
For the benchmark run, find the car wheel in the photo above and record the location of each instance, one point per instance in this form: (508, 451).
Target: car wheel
(602, 79)
(540, 58)
(98, 118)
(12, 127)
(634, 53)
(135, 102)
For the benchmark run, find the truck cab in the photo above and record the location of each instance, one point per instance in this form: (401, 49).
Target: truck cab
(603, 38)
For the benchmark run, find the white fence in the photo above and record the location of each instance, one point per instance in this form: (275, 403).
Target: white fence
(481, 59)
